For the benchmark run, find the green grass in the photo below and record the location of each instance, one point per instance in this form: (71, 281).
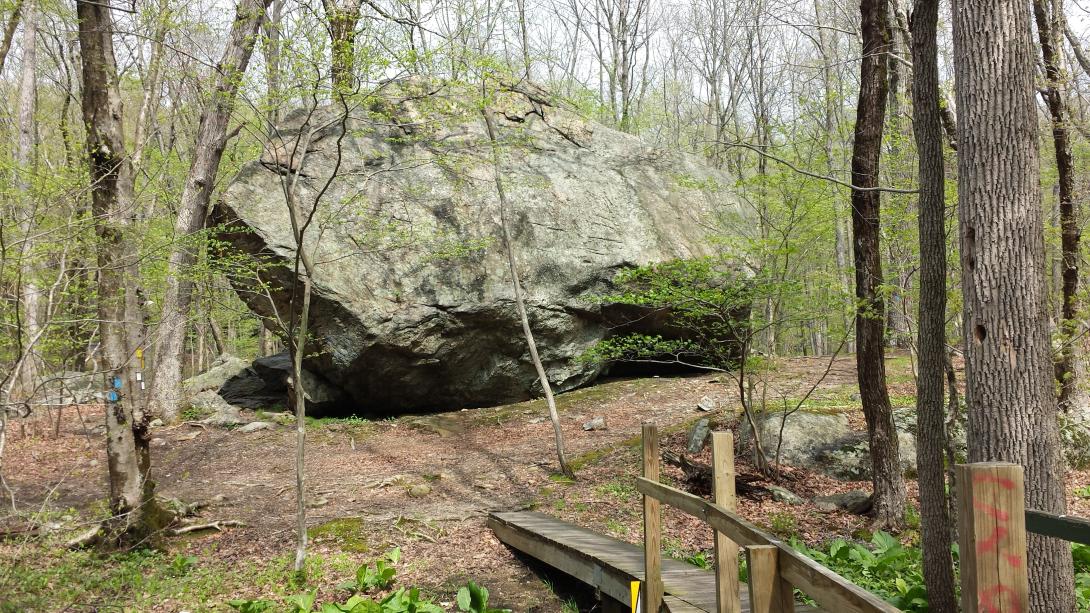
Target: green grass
(47, 577)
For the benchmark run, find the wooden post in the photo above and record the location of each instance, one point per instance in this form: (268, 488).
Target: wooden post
(652, 525)
(992, 538)
(726, 550)
(768, 591)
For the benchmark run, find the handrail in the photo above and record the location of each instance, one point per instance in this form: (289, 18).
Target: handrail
(828, 589)
(1065, 527)
(776, 568)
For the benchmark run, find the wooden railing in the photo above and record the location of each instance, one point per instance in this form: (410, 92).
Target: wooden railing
(775, 568)
(992, 527)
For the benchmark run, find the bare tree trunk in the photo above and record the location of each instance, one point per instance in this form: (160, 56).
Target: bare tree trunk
(525, 38)
(9, 32)
(889, 485)
(193, 208)
(271, 27)
(520, 303)
(1009, 374)
(25, 167)
(931, 439)
(1050, 28)
(132, 502)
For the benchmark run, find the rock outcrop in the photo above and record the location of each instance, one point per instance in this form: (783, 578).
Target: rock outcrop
(412, 303)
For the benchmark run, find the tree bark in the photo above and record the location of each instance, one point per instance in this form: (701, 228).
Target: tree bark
(9, 32)
(889, 486)
(1009, 377)
(193, 208)
(132, 502)
(938, 567)
(520, 303)
(342, 17)
(25, 168)
(1050, 28)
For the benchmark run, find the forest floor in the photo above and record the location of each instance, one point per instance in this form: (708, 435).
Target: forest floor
(424, 483)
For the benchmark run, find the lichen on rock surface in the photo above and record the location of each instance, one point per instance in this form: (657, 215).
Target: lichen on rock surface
(412, 305)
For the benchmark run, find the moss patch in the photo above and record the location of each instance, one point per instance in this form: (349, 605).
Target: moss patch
(346, 533)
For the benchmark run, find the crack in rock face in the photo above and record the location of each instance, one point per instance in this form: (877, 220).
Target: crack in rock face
(412, 304)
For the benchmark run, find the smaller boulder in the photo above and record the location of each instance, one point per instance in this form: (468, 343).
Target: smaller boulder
(419, 490)
(219, 411)
(698, 435)
(264, 385)
(225, 367)
(598, 423)
(856, 502)
(782, 494)
(254, 426)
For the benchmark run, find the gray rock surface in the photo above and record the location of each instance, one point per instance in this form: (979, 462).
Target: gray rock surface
(826, 442)
(855, 501)
(412, 306)
(255, 426)
(225, 367)
(698, 435)
(781, 494)
(219, 411)
(263, 384)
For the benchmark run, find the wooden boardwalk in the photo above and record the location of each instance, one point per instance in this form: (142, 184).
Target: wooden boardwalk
(605, 563)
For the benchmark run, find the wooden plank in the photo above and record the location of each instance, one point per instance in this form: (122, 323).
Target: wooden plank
(726, 550)
(676, 605)
(652, 524)
(605, 563)
(1066, 527)
(992, 519)
(828, 589)
(768, 592)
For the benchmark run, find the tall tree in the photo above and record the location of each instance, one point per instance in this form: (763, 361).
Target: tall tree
(520, 302)
(342, 17)
(938, 567)
(870, 320)
(25, 168)
(132, 501)
(1050, 32)
(1009, 375)
(193, 208)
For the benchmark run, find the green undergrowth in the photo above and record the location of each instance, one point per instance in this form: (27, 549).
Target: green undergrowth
(894, 571)
(347, 533)
(38, 577)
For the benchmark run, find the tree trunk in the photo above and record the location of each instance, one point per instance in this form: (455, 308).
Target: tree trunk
(9, 32)
(25, 168)
(938, 567)
(271, 27)
(132, 502)
(342, 15)
(889, 485)
(1050, 28)
(520, 303)
(1009, 376)
(193, 208)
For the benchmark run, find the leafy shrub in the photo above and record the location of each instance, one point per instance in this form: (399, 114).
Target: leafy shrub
(886, 568)
(473, 598)
(378, 578)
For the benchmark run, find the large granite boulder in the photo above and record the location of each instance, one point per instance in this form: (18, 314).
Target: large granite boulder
(412, 304)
